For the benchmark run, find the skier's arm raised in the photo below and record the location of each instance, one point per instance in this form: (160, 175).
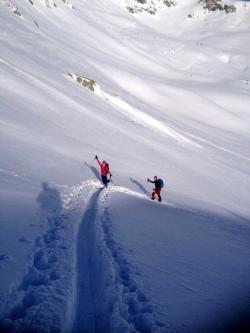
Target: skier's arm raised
(96, 157)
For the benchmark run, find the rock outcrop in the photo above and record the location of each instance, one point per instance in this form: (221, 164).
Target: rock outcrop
(152, 6)
(84, 81)
(212, 5)
(149, 6)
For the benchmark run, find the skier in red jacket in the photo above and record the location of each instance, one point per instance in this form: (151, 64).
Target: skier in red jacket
(104, 171)
(158, 186)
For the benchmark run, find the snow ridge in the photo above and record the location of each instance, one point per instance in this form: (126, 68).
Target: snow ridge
(143, 119)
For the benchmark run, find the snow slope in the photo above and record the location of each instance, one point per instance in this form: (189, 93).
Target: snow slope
(171, 98)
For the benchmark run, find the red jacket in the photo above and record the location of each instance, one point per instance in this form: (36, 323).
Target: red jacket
(104, 168)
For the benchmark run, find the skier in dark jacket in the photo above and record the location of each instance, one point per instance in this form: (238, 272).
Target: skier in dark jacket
(157, 189)
(104, 171)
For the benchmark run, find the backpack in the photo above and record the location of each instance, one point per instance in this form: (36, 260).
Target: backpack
(161, 182)
(107, 165)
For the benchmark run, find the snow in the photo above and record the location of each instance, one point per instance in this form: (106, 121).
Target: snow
(194, 252)
(171, 98)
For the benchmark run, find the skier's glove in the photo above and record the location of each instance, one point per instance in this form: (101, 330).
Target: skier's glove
(96, 157)
(110, 175)
(148, 180)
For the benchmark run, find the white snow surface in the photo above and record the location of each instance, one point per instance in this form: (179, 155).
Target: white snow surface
(172, 99)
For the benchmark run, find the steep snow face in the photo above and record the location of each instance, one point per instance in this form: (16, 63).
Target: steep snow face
(168, 94)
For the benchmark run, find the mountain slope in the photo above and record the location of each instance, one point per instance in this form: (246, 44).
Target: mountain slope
(171, 96)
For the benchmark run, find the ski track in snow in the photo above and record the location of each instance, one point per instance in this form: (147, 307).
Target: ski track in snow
(42, 301)
(108, 299)
(94, 292)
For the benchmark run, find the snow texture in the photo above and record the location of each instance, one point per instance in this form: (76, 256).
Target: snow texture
(165, 94)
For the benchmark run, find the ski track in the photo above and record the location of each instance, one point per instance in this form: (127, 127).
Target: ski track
(92, 291)
(108, 300)
(42, 301)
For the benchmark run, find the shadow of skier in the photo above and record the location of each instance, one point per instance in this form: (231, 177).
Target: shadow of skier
(141, 187)
(94, 170)
(49, 200)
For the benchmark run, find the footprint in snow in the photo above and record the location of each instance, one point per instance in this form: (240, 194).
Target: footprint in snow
(5, 258)
(23, 240)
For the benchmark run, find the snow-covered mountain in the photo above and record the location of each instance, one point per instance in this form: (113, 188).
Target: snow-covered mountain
(165, 94)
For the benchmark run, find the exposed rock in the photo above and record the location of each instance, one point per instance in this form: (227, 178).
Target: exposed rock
(152, 6)
(54, 3)
(13, 8)
(149, 6)
(229, 9)
(36, 24)
(212, 5)
(17, 12)
(169, 3)
(50, 3)
(87, 83)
